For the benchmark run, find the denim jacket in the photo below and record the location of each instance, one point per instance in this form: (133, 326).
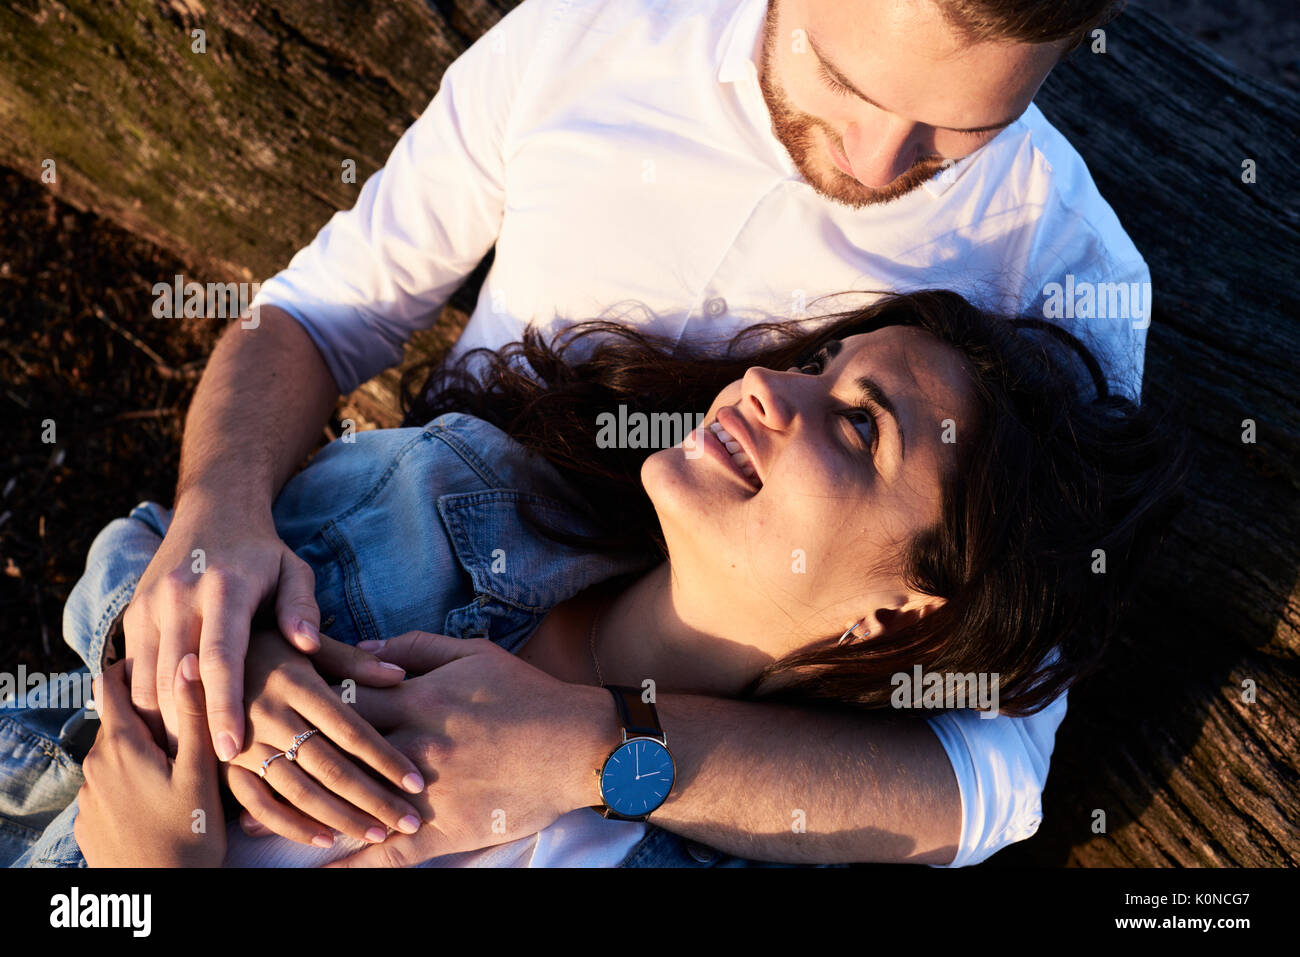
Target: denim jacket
(405, 529)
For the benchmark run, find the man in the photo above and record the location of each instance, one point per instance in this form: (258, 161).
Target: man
(720, 162)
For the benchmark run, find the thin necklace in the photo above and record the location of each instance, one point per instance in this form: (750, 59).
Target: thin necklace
(592, 637)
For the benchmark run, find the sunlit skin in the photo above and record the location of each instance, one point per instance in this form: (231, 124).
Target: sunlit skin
(874, 97)
(755, 575)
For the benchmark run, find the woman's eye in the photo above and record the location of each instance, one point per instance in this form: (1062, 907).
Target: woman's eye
(859, 418)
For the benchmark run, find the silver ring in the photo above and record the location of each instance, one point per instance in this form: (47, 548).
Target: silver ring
(261, 772)
(292, 753)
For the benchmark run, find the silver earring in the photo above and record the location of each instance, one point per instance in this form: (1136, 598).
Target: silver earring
(850, 631)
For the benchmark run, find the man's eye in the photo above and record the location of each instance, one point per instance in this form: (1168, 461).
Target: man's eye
(836, 87)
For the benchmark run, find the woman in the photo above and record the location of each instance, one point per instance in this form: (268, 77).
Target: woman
(938, 479)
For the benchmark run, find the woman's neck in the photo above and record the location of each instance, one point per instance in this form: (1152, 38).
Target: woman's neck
(640, 633)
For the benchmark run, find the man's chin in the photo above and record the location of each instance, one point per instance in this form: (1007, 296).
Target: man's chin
(835, 184)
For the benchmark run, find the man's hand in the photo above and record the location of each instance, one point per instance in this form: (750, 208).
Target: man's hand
(494, 736)
(199, 595)
(138, 807)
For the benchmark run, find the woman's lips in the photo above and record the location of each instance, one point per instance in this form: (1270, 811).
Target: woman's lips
(717, 451)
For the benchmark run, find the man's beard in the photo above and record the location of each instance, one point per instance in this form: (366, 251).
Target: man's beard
(796, 131)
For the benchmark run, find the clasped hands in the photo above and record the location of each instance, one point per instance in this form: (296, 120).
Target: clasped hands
(448, 760)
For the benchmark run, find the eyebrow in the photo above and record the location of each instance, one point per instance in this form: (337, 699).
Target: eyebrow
(870, 390)
(845, 81)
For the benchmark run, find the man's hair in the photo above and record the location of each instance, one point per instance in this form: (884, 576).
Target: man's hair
(1029, 21)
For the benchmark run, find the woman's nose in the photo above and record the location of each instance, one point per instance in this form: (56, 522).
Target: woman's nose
(880, 150)
(765, 397)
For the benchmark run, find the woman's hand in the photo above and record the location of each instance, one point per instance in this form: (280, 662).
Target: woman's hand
(139, 807)
(324, 787)
(507, 747)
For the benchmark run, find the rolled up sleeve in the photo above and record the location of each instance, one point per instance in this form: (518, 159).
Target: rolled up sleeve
(380, 271)
(1001, 765)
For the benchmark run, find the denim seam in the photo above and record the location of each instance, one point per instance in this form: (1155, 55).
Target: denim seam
(353, 593)
(454, 441)
(119, 598)
(464, 542)
(20, 830)
(49, 747)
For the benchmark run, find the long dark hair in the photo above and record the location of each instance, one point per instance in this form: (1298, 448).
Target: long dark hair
(1049, 515)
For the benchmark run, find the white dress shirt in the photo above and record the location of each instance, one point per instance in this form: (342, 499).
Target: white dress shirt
(620, 156)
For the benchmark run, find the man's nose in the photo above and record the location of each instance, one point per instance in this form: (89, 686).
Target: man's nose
(880, 151)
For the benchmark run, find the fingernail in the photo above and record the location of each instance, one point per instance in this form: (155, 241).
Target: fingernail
(227, 747)
(413, 783)
(371, 644)
(323, 840)
(308, 632)
(409, 824)
(190, 667)
(376, 834)
(391, 666)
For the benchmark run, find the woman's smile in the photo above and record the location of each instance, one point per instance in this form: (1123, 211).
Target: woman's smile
(718, 441)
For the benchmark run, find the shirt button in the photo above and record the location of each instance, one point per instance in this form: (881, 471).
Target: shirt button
(715, 306)
(700, 853)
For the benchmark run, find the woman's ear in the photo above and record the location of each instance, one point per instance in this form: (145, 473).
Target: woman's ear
(910, 610)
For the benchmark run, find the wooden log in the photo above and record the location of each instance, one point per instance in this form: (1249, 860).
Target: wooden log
(1164, 743)
(233, 158)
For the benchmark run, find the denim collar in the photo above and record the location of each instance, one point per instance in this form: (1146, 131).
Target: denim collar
(517, 574)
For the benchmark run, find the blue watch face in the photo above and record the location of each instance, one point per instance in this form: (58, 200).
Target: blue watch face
(636, 777)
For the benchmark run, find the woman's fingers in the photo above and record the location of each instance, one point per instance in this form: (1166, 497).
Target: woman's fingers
(332, 769)
(113, 701)
(356, 736)
(194, 754)
(303, 792)
(257, 798)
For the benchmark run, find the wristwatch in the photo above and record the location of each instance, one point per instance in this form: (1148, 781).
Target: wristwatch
(639, 772)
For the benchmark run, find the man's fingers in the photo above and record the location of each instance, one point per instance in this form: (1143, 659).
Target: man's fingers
(295, 604)
(194, 745)
(421, 651)
(178, 637)
(400, 850)
(140, 647)
(347, 661)
(222, 649)
(382, 707)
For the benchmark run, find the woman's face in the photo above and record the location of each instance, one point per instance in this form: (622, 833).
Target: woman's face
(779, 547)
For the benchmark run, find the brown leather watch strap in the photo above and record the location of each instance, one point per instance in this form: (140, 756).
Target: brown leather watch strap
(638, 716)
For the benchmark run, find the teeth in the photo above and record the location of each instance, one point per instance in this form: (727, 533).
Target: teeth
(737, 456)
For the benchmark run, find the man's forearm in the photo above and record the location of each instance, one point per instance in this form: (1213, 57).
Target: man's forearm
(263, 399)
(794, 785)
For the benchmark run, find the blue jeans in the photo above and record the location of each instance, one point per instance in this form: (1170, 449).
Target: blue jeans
(41, 746)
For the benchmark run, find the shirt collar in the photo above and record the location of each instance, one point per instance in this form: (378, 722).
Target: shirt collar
(736, 48)
(736, 63)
